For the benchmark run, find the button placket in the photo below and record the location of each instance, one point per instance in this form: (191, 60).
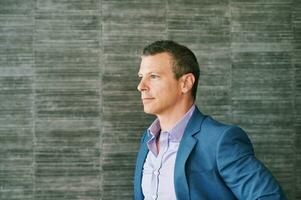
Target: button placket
(156, 173)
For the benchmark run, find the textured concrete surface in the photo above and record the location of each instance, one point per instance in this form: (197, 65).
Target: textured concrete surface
(71, 118)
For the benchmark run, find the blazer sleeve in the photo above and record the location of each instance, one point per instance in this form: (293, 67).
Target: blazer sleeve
(246, 176)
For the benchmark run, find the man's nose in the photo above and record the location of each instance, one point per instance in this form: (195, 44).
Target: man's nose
(141, 86)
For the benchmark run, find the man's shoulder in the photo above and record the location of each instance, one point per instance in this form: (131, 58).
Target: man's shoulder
(214, 125)
(211, 128)
(212, 132)
(208, 123)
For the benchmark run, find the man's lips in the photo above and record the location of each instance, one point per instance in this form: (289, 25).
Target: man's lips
(146, 99)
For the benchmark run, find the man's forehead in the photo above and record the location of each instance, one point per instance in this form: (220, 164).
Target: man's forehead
(153, 69)
(148, 69)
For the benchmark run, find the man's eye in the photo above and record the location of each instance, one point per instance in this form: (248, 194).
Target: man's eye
(153, 76)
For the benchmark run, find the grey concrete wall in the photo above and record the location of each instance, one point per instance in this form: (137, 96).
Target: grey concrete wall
(71, 118)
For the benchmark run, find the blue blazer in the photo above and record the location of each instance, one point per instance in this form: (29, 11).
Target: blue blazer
(214, 161)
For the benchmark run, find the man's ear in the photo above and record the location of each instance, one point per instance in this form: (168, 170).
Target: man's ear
(187, 81)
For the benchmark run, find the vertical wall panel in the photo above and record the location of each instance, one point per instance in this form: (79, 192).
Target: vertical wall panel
(67, 84)
(127, 26)
(296, 23)
(262, 81)
(205, 29)
(16, 99)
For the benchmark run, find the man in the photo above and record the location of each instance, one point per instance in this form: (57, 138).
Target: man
(185, 154)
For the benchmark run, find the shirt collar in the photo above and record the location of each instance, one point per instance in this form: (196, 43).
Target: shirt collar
(176, 132)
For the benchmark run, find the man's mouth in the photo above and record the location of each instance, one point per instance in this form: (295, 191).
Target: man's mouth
(145, 100)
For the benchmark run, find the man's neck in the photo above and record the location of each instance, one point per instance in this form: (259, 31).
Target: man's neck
(168, 120)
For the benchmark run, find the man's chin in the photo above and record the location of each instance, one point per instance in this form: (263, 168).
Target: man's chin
(148, 111)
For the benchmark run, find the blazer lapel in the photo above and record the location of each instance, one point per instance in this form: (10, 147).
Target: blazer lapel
(139, 167)
(186, 146)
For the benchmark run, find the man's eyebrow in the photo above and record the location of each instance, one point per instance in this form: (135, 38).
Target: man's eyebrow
(152, 72)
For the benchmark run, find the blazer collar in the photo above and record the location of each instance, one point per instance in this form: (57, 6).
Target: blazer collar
(186, 145)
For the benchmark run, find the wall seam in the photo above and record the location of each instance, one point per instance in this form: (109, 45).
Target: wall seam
(231, 61)
(34, 99)
(292, 58)
(166, 14)
(100, 90)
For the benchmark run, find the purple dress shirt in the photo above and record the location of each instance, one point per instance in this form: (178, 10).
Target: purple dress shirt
(158, 168)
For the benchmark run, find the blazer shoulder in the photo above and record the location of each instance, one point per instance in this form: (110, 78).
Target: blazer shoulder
(212, 132)
(214, 128)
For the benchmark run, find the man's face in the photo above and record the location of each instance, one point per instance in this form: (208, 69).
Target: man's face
(160, 90)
